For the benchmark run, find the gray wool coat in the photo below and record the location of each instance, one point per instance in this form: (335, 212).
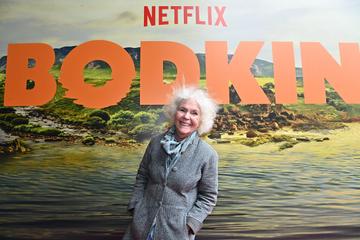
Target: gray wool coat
(185, 198)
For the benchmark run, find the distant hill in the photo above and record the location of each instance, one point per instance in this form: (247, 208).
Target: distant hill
(3, 63)
(260, 68)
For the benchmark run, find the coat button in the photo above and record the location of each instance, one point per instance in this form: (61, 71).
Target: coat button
(174, 169)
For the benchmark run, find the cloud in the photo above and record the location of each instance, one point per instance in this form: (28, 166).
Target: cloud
(124, 19)
(65, 22)
(127, 17)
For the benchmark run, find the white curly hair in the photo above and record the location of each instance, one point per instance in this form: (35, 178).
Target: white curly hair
(207, 105)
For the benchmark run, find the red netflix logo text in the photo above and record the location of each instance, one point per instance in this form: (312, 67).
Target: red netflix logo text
(165, 15)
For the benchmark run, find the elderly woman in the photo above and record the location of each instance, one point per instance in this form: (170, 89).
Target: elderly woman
(177, 182)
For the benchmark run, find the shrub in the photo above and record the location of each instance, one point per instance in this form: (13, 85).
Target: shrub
(269, 85)
(101, 114)
(110, 140)
(145, 131)
(7, 110)
(8, 116)
(122, 118)
(95, 122)
(19, 121)
(73, 121)
(6, 126)
(88, 140)
(159, 114)
(45, 131)
(339, 105)
(34, 129)
(145, 118)
(27, 128)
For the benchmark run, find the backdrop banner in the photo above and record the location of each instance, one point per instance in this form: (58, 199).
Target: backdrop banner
(82, 90)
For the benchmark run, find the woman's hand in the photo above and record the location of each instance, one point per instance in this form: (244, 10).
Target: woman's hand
(190, 231)
(131, 211)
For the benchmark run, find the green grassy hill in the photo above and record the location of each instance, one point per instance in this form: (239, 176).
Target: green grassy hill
(140, 122)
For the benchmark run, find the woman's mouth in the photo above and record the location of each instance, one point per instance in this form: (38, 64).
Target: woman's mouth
(184, 124)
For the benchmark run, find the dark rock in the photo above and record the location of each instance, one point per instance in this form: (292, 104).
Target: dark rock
(287, 145)
(288, 115)
(284, 113)
(280, 138)
(7, 110)
(322, 139)
(281, 119)
(275, 126)
(257, 118)
(303, 139)
(214, 135)
(251, 134)
(263, 130)
(291, 116)
(13, 146)
(110, 140)
(300, 116)
(234, 97)
(88, 140)
(272, 115)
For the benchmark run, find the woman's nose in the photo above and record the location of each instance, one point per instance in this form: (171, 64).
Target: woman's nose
(187, 115)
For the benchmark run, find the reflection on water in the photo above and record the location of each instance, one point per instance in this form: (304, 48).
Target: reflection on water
(312, 191)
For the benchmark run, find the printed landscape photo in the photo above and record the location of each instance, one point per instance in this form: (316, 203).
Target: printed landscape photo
(286, 171)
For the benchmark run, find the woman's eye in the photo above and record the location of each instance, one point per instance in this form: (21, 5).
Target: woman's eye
(195, 113)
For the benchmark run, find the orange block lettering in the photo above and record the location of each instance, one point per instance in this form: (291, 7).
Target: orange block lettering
(123, 71)
(18, 73)
(219, 72)
(284, 72)
(318, 65)
(153, 90)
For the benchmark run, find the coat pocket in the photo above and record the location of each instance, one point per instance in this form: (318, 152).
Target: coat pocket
(189, 233)
(139, 222)
(173, 220)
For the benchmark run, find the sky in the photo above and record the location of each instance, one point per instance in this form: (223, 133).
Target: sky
(67, 23)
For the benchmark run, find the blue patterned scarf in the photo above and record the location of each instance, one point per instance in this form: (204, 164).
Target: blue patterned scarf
(173, 148)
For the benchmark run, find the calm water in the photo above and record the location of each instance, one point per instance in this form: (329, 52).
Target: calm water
(62, 191)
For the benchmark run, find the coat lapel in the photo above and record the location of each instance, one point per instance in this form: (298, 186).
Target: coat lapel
(185, 155)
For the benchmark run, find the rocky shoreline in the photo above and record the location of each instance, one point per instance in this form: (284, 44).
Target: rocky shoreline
(267, 125)
(32, 124)
(10, 144)
(260, 126)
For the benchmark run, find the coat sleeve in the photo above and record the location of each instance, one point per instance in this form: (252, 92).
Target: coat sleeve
(207, 194)
(141, 179)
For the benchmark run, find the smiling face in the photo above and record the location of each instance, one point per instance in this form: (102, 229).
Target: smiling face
(187, 118)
